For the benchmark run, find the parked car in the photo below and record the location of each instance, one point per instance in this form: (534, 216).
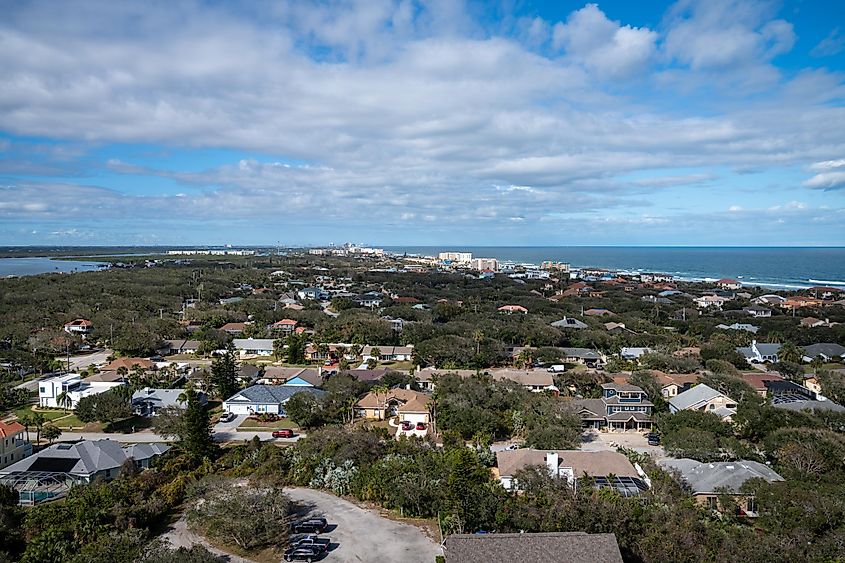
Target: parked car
(421, 426)
(304, 553)
(317, 542)
(653, 439)
(407, 425)
(309, 526)
(226, 417)
(283, 433)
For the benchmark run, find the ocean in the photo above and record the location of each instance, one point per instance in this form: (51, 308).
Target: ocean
(776, 267)
(43, 265)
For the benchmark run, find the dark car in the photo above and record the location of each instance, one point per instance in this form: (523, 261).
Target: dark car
(283, 433)
(653, 439)
(319, 543)
(407, 425)
(302, 554)
(309, 526)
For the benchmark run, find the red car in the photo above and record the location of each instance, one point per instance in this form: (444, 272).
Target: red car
(421, 426)
(283, 433)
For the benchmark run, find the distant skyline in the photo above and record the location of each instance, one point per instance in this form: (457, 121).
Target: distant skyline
(423, 123)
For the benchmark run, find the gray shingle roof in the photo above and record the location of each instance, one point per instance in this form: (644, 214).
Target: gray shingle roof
(829, 349)
(708, 477)
(90, 456)
(270, 394)
(583, 353)
(572, 547)
(698, 394)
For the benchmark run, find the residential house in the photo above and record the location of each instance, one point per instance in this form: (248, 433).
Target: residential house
(248, 374)
(759, 380)
(148, 402)
(769, 299)
(621, 407)
(827, 351)
(234, 329)
(426, 377)
(129, 364)
(282, 328)
(72, 387)
(710, 302)
(511, 309)
(231, 300)
(634, 353)
(50, 473)
(758, 312)
(570, 323)
(533, 380)
(598, 313)
(674, 384)
(389, 353)
(313, 293)
(728, 283)
(405, 300)
(180, 346)
(739, 326)
(13, 445)
(259, 399)
(549, 547)
(704, 398)
(371, 299)
(812, 322)
(801, 301)
(657, 300)
(309, 377)
(397, 324)
(590, 358)
(81, 327)
(362, 374)
(605, 469)
(408, 405)
(617, 328)
(253, 346)
(708, 481)
(759, 353)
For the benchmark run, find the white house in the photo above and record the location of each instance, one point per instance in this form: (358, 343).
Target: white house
(253, 346)
(264, 399)
(710, 301)
(82, 327)
(49, 390)
(634, 353)
(759, 353)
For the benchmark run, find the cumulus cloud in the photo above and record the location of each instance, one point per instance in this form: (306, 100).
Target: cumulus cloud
(605, 46)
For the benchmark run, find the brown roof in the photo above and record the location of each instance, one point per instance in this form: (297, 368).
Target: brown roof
(366, 374)
(233, 326)
(549, 547)
(416, 405)
(106, 376)
(429, 374)
(129, 363)
(79, 322)
(589, 464)
(9, 429)
(523, 376)
(757, 379)
(372, 400)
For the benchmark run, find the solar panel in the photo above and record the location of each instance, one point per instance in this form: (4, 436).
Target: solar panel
(53, 464)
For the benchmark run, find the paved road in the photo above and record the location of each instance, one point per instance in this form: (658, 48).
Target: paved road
(142, 437)
(82, 362)
(361, 535)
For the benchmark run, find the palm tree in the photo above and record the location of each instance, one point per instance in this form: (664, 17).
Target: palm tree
(64, 401)
(789, 352)
(478, 336)
(375, 352)
(27, 421)
(122, 371)
(525, 359)
(817, 363)
(355, 350)
(378, 390)
(38, 420)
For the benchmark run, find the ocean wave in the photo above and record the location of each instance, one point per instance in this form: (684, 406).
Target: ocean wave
(826, 282)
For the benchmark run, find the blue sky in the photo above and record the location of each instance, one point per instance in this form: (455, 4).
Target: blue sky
(717, 122)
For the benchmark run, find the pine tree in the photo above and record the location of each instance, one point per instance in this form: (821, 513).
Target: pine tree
(197, 440)
(223, 375)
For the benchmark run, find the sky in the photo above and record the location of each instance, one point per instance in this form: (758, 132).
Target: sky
(422, 122)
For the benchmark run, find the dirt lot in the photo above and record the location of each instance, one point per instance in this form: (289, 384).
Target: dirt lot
(358, 534)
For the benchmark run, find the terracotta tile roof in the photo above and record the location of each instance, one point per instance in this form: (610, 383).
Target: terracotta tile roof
(9, 429)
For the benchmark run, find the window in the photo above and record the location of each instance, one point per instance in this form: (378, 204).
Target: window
(751, 505)
(712, 503)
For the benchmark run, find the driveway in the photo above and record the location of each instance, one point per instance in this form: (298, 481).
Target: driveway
(180, 536)
(361, 535)
(597, 441)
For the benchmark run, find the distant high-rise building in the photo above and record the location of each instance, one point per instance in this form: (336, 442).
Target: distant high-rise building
(485, 264)
(460, 257)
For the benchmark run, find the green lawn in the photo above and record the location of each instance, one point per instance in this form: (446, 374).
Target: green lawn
(254, 425)
(48, 414)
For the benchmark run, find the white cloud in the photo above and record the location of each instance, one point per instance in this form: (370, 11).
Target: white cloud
(605, 46)
(826, 181)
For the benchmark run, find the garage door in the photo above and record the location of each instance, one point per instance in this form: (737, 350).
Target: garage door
(238, 409)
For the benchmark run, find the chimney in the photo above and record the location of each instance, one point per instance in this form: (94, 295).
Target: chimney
(552, 463)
